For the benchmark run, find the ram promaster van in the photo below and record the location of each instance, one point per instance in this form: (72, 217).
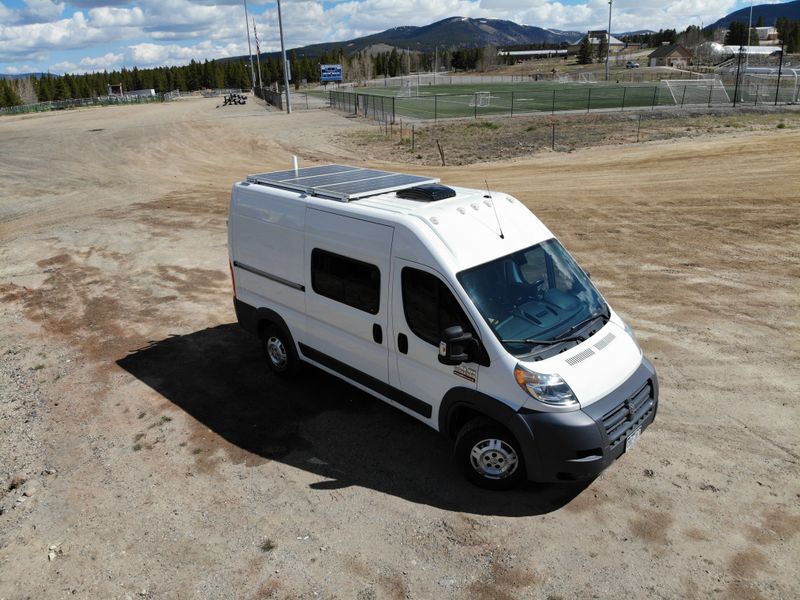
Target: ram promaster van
(454, 305)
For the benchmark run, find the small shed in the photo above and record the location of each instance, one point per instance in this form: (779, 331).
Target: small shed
(673, 55)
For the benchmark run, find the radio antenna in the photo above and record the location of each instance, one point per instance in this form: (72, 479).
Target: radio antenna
(494, 208)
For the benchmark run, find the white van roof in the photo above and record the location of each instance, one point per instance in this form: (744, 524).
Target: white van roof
(474, 226)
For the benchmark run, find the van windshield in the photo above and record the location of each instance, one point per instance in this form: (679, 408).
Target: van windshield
(535, 297)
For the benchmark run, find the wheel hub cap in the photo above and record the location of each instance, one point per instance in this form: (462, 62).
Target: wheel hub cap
(276, 352)
(494, 459)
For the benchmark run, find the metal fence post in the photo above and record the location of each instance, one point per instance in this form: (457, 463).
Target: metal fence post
(758, 87)
(624, 90)
(683, 97)
(655, 95)
(638, 128)
(554, 103)
(512, 104)
(413, 137)
(554, 137)
(589, 101)
(710, 95)
(475, 101)
(435, 108)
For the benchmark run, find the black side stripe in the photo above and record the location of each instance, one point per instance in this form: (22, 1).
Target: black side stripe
(399, 396)
(275, 278)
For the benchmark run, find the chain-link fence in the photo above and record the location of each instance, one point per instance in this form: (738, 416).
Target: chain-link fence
(414, 102)
(80, 102)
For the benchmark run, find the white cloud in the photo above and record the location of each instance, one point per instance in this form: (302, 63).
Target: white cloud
(109, 16)
(146, 55)
(22, 41)
(107, 62)
(34, 11)
(20, 69)
(41, 11)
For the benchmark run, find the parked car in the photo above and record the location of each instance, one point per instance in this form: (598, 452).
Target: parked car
(456, 306)
(631, 65)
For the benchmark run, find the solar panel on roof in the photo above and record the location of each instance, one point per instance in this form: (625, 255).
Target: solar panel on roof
(339, 182)
(305, 172)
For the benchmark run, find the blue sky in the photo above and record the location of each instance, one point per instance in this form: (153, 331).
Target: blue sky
(77, 36)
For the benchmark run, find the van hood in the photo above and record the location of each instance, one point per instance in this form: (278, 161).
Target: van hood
(597, 366)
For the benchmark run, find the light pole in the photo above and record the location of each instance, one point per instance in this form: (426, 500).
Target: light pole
(749, 29)
(285, 64)
(608, 38)
(249, 47)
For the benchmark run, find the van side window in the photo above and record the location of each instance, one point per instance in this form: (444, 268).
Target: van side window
(429, 306)
(346, 280)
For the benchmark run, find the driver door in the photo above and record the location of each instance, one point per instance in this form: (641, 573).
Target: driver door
(423, 306)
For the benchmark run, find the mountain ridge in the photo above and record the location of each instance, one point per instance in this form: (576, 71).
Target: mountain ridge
(769, 12)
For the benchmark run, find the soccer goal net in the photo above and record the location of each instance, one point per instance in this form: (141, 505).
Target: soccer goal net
(694, 91)
(762, 88)
(481, 99)
(408, 90)
(587, 78)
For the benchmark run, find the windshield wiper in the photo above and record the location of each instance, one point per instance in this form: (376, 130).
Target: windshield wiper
(587, 320)
(544, 342)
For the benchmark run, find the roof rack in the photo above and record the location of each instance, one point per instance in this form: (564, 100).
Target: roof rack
(339, 182)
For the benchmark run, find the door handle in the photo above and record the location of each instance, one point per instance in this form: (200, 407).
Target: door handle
(402, 343)
(377, 333)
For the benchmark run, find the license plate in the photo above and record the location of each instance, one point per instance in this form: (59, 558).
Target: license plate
(632, 439)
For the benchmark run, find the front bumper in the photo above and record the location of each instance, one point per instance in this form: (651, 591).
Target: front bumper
(581, 444)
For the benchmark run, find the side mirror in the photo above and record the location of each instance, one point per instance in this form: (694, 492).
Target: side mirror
(454, 348)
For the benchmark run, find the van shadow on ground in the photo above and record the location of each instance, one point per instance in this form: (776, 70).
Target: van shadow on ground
(320, 424)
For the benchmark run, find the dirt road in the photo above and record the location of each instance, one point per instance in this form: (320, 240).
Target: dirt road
(148, 454)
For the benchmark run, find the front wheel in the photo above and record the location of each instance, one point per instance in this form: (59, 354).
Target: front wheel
(489, 455)
(279, 350)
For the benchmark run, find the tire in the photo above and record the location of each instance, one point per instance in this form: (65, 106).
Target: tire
(489, 456)
(280, 352)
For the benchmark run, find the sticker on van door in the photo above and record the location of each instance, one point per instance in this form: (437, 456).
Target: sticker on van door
(467, 373)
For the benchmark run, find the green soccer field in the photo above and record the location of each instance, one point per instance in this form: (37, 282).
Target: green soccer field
(449, 101)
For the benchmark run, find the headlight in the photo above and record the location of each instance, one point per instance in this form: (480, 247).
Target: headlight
(550, 389)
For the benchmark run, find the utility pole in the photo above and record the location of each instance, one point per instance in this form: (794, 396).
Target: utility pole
(749, 29)
(608, 38)
(249, 47)
(285, 64)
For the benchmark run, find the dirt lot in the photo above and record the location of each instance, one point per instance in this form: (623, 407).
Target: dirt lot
(147, 453)
(466, 141)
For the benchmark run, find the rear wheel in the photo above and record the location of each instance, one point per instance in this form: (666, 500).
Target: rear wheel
(489, 455)
(279, 350)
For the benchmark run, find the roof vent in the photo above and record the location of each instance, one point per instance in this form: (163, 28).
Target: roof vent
(427, 193)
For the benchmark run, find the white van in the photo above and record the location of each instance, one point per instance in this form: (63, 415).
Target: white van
(454, 305)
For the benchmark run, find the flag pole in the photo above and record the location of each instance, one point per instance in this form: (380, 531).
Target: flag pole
(285, 65)
(258, 59)
(249, 47)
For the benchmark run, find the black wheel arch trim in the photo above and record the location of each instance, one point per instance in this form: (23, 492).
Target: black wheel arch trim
(252, 319)
(462, 397)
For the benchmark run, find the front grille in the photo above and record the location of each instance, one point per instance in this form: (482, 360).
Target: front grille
(628, 415)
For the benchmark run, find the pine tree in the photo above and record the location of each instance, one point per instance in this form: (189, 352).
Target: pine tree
(585, 52)
(602, 49)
